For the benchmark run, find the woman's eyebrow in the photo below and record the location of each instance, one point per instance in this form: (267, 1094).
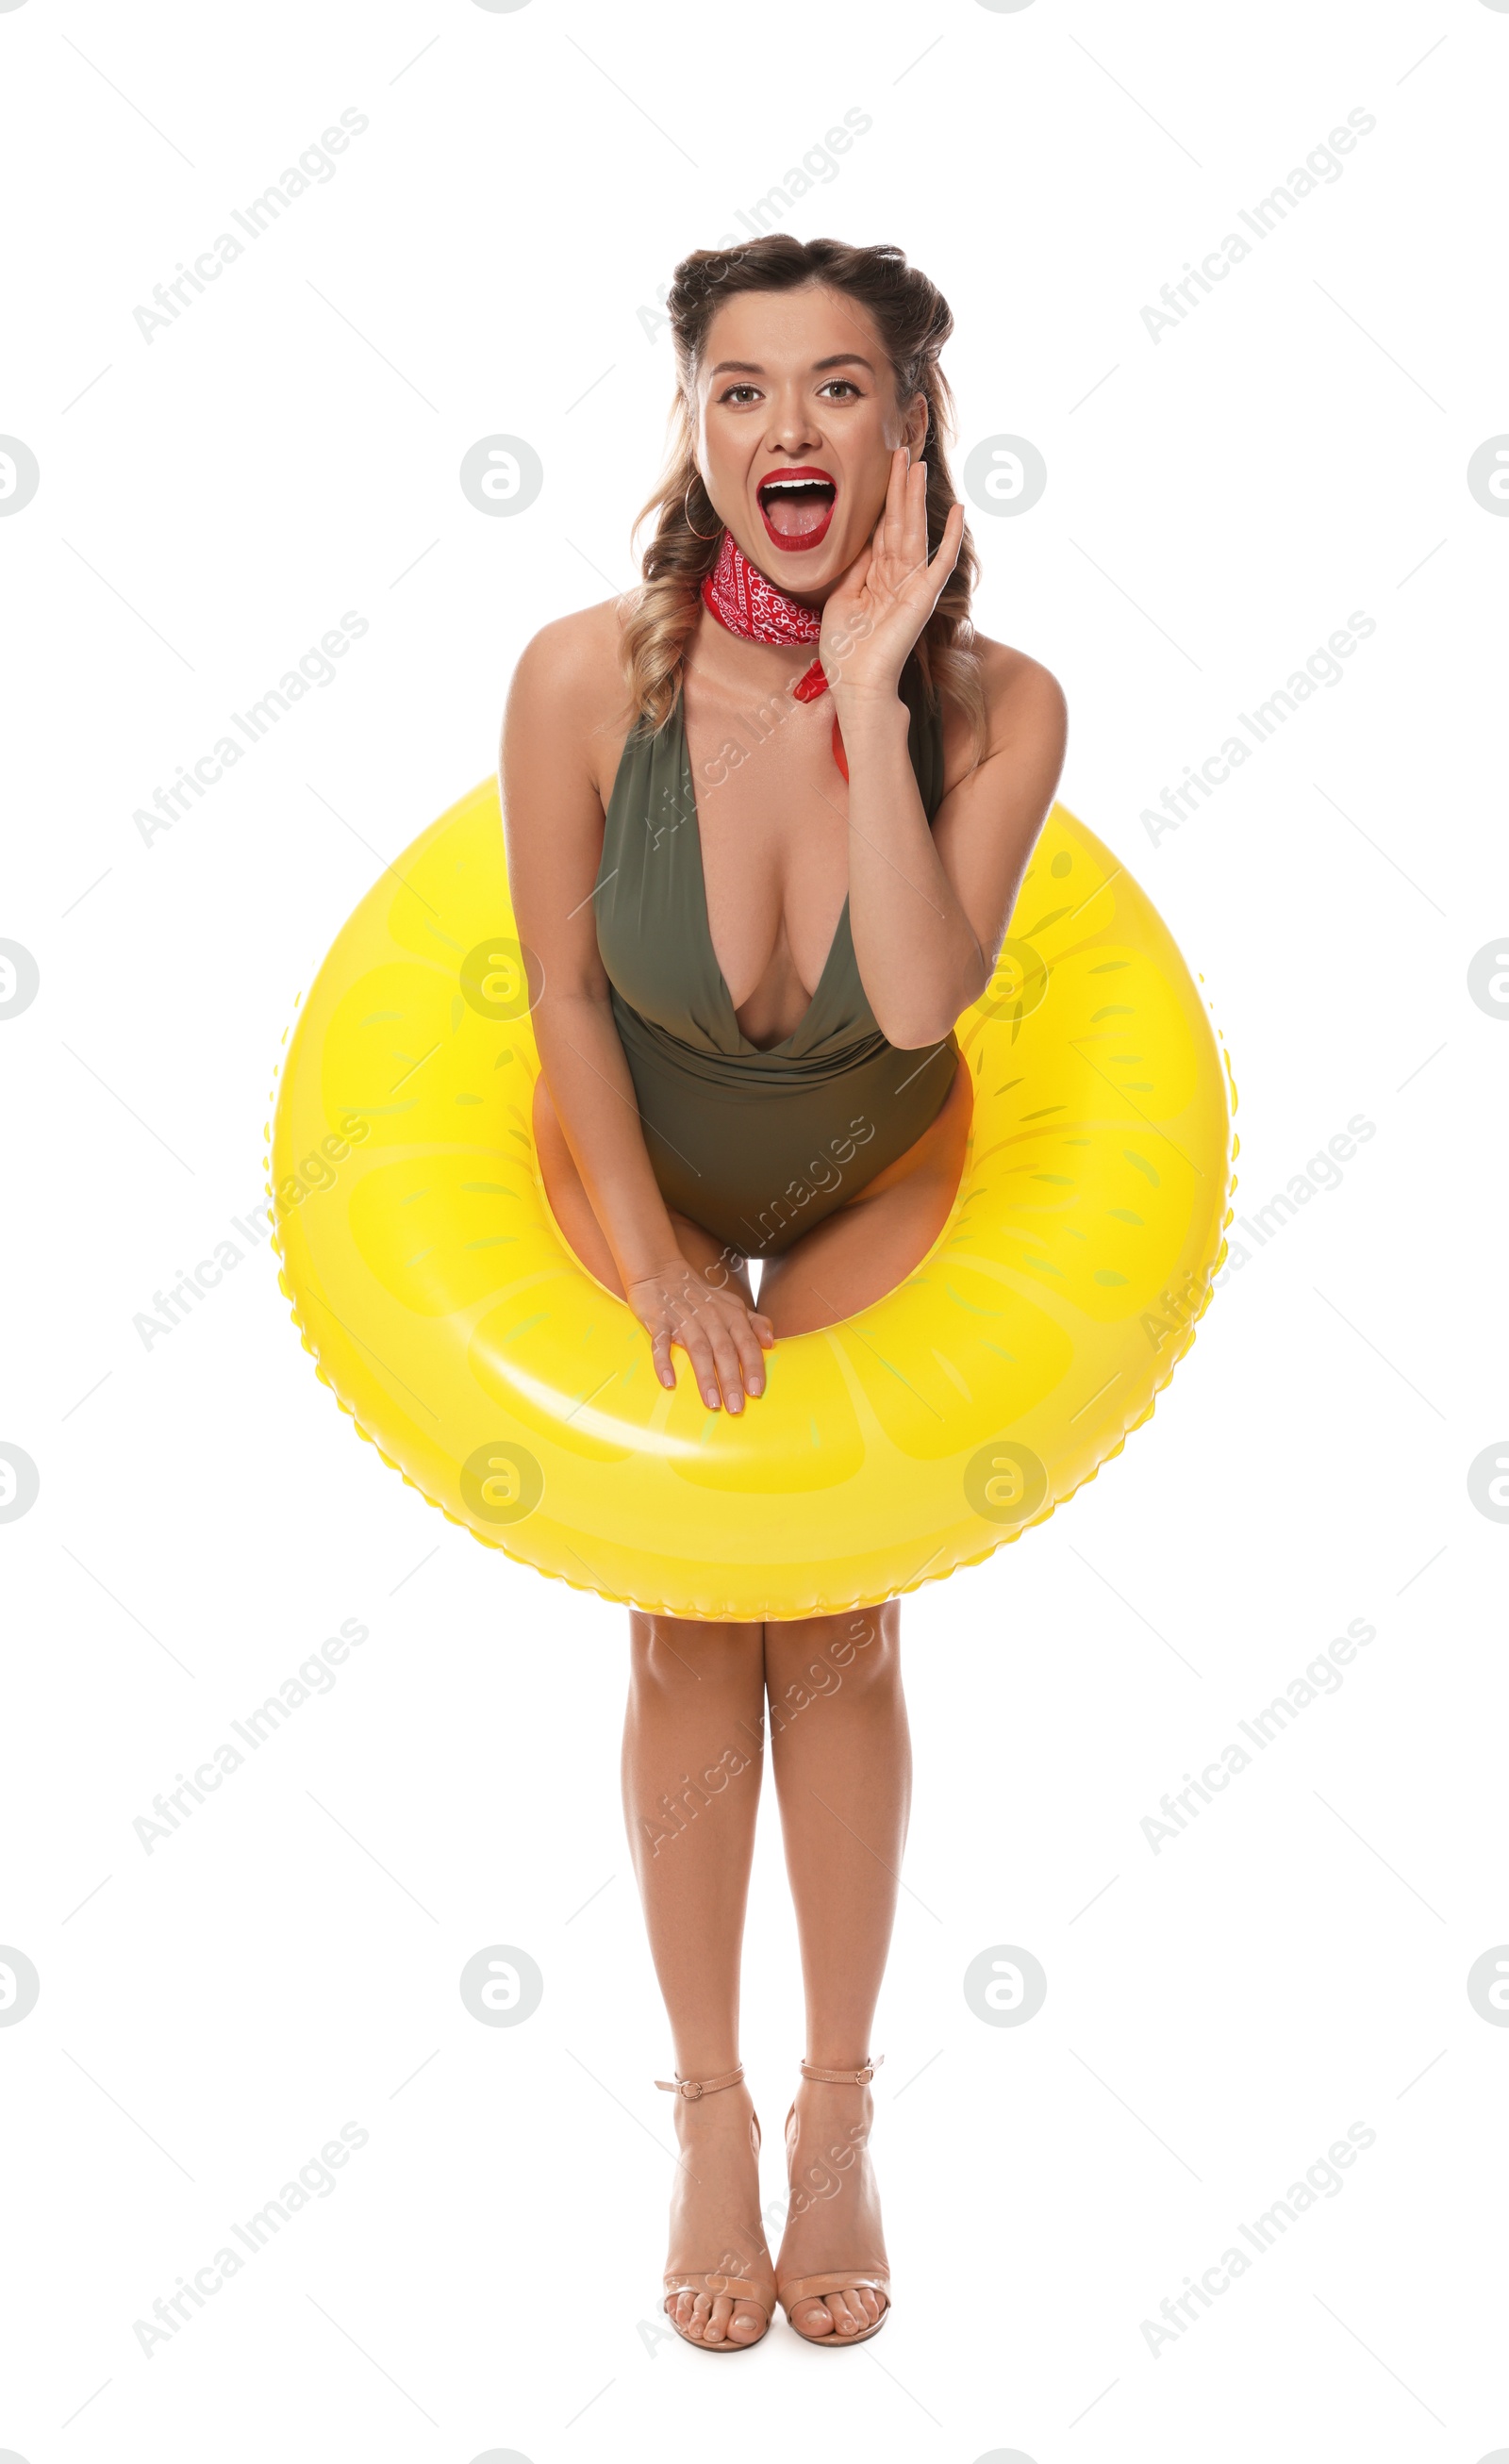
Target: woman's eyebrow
(753, 368)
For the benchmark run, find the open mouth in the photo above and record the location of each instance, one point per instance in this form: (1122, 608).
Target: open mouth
(797, 507)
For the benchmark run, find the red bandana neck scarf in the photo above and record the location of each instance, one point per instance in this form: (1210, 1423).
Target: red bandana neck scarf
(746, 602)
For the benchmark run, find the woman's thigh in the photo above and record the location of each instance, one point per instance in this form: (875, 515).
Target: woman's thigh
(872, 1242)
(584, 1235)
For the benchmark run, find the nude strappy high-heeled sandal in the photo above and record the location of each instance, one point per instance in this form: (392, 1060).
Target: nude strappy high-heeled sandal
(760, 2290)
(813, 2288)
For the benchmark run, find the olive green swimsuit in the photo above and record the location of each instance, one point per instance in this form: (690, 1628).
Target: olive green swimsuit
(756, 1145)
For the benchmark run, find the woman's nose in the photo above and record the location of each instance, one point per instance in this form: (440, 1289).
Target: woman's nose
(791, 423)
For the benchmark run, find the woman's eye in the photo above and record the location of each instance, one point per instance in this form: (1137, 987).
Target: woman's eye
(732, 390)
(842, 381)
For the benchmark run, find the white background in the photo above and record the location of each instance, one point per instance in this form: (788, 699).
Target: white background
(211, 501)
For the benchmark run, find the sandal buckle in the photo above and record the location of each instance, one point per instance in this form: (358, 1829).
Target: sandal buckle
(694, 2089)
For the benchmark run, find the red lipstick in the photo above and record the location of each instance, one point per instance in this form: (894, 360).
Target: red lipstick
(804, 496)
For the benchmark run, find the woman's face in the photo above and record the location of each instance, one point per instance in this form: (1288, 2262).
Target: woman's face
(795, 387)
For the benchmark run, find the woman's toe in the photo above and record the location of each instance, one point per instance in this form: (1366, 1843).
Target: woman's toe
(812, 2318)
(709, 2322)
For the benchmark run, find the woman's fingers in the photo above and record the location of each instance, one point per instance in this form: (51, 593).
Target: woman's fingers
(730, 1367)
(723, 1337)
(751, 1355)
(906, 500)
(726, 1353)
(898, 490)
(915, 548)
(905, 503)
(714, 1363)
(948, 551)
(900, 542)
(692, 1338)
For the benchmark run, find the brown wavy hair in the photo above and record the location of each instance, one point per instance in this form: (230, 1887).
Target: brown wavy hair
(914, 321)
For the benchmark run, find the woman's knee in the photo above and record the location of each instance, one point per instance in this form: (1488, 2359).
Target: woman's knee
(857, 1652)
(693, 1655)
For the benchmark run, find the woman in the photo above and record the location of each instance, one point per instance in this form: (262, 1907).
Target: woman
(761, 885)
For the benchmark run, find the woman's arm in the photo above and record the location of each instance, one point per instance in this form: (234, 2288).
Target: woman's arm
(928, 908)
(564, 698)
(553, 828)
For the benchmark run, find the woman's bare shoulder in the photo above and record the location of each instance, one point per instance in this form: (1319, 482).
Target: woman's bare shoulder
(1019, 691)
(569, 686)
(1026, 713)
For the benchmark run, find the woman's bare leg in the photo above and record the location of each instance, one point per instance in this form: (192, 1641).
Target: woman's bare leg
(843, 1775)
(690, 1777)
(842, 1751)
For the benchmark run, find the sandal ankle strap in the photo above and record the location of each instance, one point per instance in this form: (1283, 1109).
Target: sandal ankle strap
(692, 2088)
(843, 2079)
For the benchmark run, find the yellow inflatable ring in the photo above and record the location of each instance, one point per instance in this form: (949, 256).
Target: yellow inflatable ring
(445, 1310)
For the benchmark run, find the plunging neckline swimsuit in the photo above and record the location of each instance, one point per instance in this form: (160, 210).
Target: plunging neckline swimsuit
(756, 1144)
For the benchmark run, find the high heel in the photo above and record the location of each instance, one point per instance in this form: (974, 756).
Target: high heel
(813, 2288)
(758, 2291)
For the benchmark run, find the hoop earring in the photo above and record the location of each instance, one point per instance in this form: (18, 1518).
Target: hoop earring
(687, 518)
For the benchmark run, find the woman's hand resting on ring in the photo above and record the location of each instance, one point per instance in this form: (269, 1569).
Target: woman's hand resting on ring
(724, 1339)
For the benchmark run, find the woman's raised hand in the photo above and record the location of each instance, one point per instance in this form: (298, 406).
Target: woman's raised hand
(724, 1340)
(870, 622)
